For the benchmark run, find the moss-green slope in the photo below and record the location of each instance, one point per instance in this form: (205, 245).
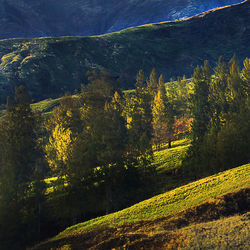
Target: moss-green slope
(22, 18)
(169, 203)
(51, 66)
(225, 233)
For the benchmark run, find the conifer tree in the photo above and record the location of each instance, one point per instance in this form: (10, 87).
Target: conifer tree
(221, 124)
(102, 142)
(218, 88)
(246, 77)
(140, 132)
(234, 86)
(200, 107)
(233, 138)
(140, 81)
(163, 116)
(19, 167)
(152, 83)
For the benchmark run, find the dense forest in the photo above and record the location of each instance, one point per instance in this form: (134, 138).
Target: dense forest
(93, 155)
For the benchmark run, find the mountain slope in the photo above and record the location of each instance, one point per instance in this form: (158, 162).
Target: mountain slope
(155, 220)
(22, 18)
(51, 66)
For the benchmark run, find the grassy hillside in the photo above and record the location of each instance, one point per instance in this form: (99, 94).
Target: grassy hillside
(209, 198)
(225, 233)
(167, 159)
(20, 18)
(167, 162)
(51, 66)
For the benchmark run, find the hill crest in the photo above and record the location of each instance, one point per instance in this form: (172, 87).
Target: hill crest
(49, 67)
(85, 17)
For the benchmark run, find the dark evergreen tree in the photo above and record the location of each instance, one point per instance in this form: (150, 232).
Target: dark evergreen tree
(140, 79)
(20, 176)
(152, 83)
(140, 132)
(163, 116)
(217, 95)
(234, 86)
(201, 105)
(221, 119)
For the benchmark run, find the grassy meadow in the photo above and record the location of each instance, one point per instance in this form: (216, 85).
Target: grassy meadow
(169, 203)
(226, 233)
(168, 159)
(167, 162)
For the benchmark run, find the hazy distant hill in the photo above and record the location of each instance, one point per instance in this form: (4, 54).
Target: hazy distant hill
(51, 66)
(35, 18)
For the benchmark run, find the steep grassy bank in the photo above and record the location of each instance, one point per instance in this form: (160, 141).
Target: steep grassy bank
(209, 198)
(226, 233)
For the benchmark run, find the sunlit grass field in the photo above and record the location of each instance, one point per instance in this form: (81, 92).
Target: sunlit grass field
(45, 106)
(167, 159)
(226, 233)
(170, 202)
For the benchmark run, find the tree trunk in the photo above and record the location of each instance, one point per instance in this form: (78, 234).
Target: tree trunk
(169, 144)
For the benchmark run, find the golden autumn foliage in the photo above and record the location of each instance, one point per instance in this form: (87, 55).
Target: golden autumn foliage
(60, 146)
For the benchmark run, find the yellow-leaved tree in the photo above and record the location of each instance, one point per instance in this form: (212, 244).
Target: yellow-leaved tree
(64, 126)
(59, 149)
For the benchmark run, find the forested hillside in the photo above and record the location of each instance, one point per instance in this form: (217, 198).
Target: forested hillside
(49, 67)
(105, 149)
(133, 139)
(22, 18)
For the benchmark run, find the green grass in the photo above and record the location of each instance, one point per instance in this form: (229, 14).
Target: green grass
(45, 106)
(227, 233)
(168, 159)
(165, 160)
(169, 203)
(52, 66)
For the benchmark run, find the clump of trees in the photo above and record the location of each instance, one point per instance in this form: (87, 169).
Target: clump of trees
(220, 109)
(99, 145)
(93, 148)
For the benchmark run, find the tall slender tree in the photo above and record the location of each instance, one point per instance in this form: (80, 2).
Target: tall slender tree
(163, 116)
(63, 127)
(152, 83)
(140, 132)
(200, 107)
(20, 177)
(246, 77)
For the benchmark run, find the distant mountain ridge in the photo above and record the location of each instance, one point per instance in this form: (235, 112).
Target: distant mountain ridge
(49, 67)
(42, 18)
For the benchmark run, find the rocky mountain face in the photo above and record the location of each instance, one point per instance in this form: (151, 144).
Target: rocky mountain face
(49, 67)
(41, 18)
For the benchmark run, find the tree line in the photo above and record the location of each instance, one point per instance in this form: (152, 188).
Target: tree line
(220, 111)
